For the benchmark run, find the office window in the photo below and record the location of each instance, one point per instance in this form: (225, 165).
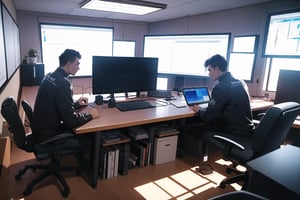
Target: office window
(273, 66)
(124, 48)
(281, 46)
(185, 54)
(282, 34)
(89, 41)
(162, 83)
(242, 57)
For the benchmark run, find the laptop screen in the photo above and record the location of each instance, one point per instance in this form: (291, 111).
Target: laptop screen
(196, 95)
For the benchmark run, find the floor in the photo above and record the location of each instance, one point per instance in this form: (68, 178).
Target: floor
(173, 180)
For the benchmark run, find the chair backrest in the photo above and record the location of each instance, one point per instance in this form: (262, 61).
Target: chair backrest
(10, 113)
(274, 127)
(28, 110)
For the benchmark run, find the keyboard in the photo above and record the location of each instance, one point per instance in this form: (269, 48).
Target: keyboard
(133, 105)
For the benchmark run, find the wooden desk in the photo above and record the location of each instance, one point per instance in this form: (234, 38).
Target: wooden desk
(260, 104)
(112, 118)
(276, 174)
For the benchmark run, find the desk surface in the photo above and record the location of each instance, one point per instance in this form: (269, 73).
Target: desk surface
(281, 166)
(111, 118)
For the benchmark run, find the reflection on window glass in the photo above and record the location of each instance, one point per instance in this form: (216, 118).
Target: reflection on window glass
(93, 41)
(124, 48)
(276, 65)
(241, 65)
(241, 62)
(162, 83)
(244, 44)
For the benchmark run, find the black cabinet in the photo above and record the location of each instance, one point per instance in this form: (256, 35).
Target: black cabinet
(32, 74)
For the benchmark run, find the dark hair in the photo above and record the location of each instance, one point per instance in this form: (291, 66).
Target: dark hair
(217, 61)
(69, 55)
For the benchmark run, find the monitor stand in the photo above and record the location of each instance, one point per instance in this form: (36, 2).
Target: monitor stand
(138, 94)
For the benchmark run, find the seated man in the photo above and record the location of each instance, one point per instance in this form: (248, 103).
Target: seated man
(229, 108)
(54, 109)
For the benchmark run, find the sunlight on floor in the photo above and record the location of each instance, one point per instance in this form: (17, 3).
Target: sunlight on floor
(182, 185)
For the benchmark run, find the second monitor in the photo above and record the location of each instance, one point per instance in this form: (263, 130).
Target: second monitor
(123, 74)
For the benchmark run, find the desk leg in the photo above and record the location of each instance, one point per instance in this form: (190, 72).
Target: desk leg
(96, 157)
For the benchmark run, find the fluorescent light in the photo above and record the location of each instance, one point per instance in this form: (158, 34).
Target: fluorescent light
(123, 6)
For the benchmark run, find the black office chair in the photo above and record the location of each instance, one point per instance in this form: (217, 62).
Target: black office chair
(27, 109)
(238, 195)
(52, 148)
(269, 134)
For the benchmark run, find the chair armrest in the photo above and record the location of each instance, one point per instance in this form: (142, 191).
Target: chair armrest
(255, 121)
(58, 137)
(228, 141)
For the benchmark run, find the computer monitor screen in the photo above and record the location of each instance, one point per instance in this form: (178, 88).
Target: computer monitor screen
(283, 34)
(123, 74)
(288, 86)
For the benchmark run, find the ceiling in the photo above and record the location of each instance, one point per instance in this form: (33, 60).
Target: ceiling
(175, 8)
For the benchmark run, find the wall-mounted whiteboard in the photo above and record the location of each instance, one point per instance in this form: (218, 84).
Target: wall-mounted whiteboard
(11, 42)
(3, 74)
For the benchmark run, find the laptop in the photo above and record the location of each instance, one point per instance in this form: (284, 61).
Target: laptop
(196, 95)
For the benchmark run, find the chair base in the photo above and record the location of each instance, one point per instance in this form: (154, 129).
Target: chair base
(238, 178)
(204, 169)
(53, 168)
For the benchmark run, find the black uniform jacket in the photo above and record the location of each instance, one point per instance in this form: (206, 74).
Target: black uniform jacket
(229, 107)
(54, 107)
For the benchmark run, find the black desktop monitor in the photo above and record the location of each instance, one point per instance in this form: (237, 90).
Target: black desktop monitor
(123, 74)
(288, 86)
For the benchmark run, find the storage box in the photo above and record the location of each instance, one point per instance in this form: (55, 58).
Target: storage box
(165, 149)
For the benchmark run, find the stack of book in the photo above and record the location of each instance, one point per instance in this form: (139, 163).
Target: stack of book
(138, 133)
(140, 153)
(140, 149)
(111, 136)
(114, 154)
(109, 161)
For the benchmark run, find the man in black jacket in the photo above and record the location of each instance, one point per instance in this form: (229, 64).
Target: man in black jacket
(229, 108)
(54, 109)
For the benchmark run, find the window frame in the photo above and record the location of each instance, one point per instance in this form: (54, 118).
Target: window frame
(243, 52)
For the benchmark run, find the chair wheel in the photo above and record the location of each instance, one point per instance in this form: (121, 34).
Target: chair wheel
(65, 193)
(27, 192)
(78, 172)
(18, 177)
(228, 170)
(222, 185)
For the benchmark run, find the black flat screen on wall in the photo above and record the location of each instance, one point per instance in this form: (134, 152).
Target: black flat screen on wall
(288, 86)
(123, 74)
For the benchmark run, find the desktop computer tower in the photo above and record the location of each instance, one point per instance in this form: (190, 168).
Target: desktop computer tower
(31, 74)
